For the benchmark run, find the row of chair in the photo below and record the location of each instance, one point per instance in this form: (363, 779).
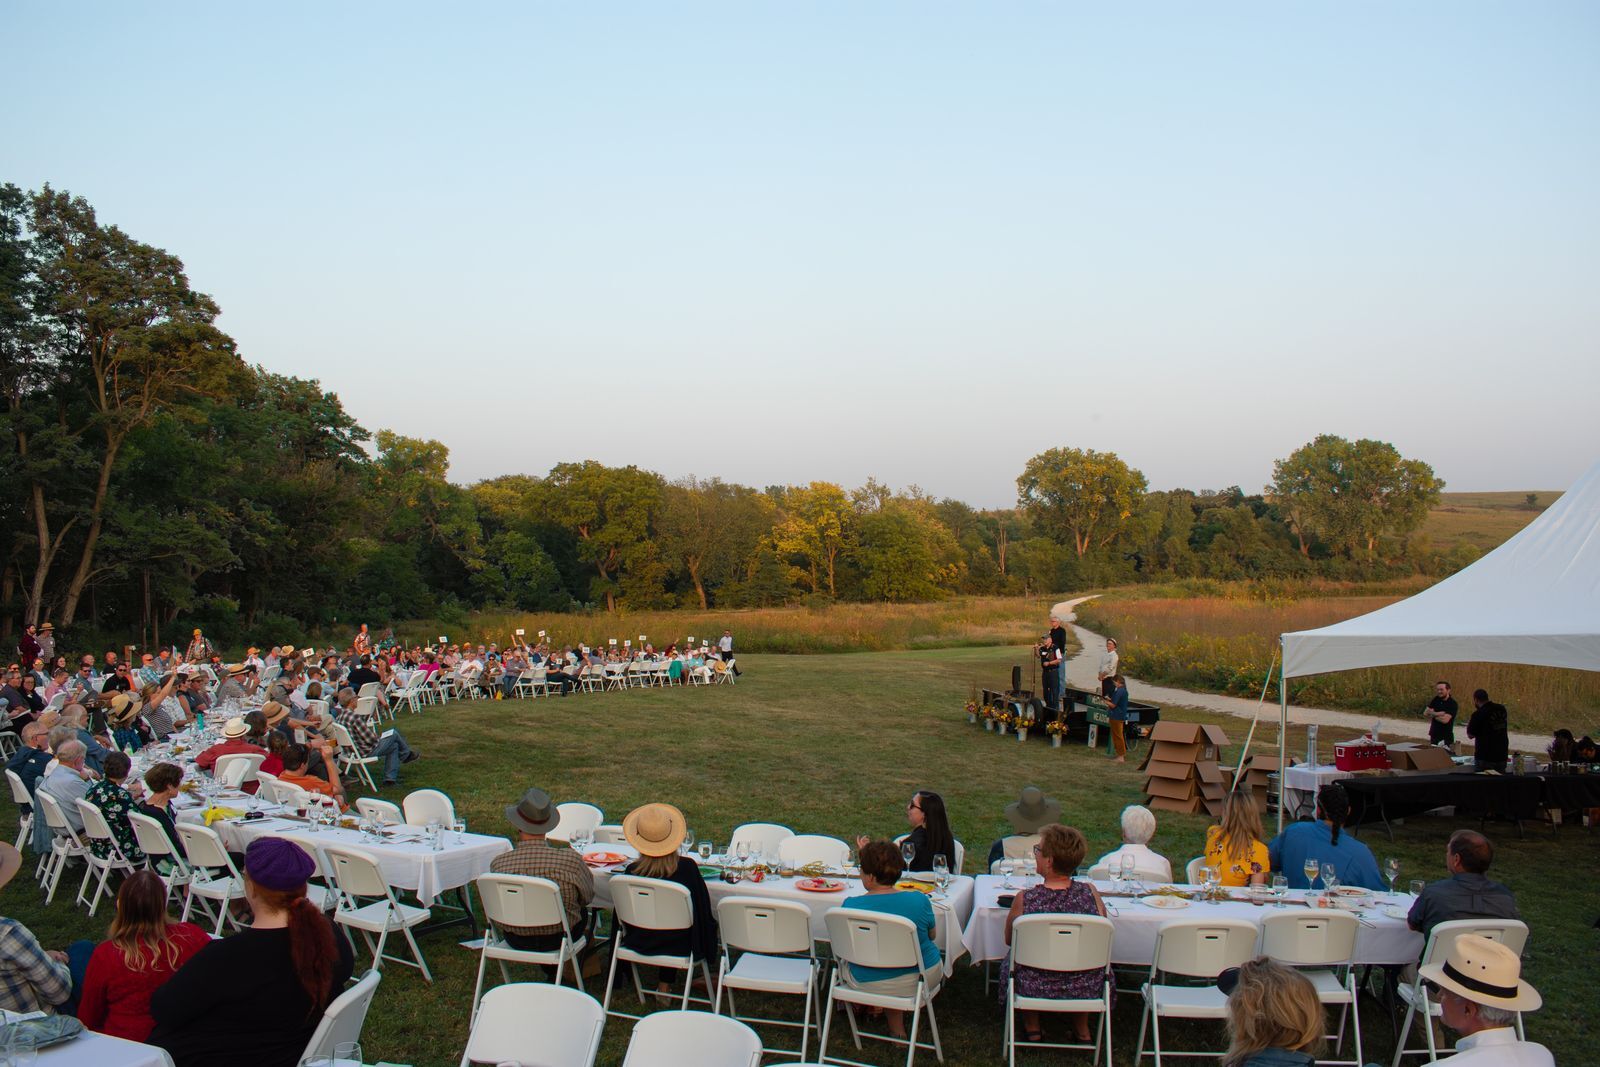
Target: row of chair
(565, 1026)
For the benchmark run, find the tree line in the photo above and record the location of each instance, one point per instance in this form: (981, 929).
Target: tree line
(154, 479)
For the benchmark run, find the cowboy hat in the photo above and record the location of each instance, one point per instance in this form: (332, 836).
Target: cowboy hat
(48, 626)
(275, 712)
(1485, 972)
(235, 729)
(534, 813)
(237, 669)
(1032, 810)
(654, 829)
(10, 863)
(125, 708)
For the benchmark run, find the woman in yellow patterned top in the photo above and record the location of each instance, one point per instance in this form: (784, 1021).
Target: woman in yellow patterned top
(1235, 848)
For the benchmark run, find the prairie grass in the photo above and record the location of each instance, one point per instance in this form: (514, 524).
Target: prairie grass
(1227, 644)
(958, 622)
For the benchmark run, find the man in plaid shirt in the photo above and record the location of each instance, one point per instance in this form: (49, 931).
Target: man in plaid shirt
(31, 979)
(391, 747)
(534, 816)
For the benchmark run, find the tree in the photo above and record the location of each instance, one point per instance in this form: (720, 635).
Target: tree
(1079, 495)
(1531, 502)
(815, 527)
(1349, 493)
(610, 509)
(709, 527)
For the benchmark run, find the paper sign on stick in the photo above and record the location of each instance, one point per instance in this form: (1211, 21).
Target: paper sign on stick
(521, 632)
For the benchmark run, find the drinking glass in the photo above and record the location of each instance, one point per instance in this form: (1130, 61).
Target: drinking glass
(705, 851)
(1311, 869)
(1007, 866)
(941, 871)
(1417, 886)
(908, 852)
(347, 1054)
(1391, 870)
(1210, 877)
(1330, 876)
(742, 855)
(460, 828)
(1280, 889)
(1126, 868)
(582, 839)
(687, 848)
(20, 1051)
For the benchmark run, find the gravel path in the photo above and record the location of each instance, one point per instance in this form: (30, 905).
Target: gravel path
(1081, 670)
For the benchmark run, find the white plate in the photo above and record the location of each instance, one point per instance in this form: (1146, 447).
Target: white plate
(1395, 912)
(1164, 902)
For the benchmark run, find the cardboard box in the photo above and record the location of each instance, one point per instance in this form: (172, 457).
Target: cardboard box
(1416, 756)
(1163, 769)
(1170, 788)
(1209, 739)
(1188, 807)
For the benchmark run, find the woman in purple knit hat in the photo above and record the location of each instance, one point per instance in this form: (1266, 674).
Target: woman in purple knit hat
(254, 999)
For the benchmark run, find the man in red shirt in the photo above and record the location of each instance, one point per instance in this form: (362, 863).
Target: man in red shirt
(234, 740)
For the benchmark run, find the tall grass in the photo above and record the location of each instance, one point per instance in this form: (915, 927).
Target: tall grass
(954, 623)
(1227, 644)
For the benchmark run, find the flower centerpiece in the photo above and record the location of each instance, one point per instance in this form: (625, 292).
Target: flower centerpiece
(1057, 729)
(990, 714)
(1003, 720)
(972, 711)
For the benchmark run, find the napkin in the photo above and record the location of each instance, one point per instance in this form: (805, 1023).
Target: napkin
(214, 814)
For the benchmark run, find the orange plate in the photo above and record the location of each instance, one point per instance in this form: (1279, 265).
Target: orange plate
(603, 859)
(819, 885)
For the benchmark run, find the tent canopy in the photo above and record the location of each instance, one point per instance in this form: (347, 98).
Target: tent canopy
(1535, 599)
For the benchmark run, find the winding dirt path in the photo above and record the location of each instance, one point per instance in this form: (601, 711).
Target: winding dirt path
(1081, 673)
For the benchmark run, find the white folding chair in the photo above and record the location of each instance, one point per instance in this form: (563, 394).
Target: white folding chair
(424, 806)
(370, 690)
(410, 694)
(675, 1038)
(350, 757)
(1014, 848)
(65, 843)
(762, 837)
(20, 794)
(373, 808)
(358, 878)
(213, 876)
(1192, 870)
(1051, 942)
(155, 845)
(558, 1025)
(343, 1019)
(874, 939)
(10, 743)
(95, 828)
(574, 817)
(609, 834)
(777, 955)
(237, 769)
(1511, 933)
(521, 900)
(651, 904)
(1191, 948)
(1320, 944)
(801, 849)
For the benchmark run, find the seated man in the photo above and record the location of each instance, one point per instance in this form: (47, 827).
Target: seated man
(31, 979)
(391, 747)
(1326, 842)
(364, 675)
(77, 716)
(69, 781)
(1138, 827)
(33, 757)
(294, 773)
(235, 741)
(1467, 893)
(1028, 814)
(1480, 992)
(534, 816)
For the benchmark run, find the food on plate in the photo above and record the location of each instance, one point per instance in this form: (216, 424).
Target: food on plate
(819, 885)
(603, 859)
(1165, 901)
(1173, 891)
(920, 887)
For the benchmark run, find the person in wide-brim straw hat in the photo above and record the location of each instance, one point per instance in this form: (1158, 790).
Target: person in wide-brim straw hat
(124, 708)
(656, 831)
(1480, 991)
(1032, 810)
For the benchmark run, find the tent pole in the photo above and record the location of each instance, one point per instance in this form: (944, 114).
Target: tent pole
(1244, 753)
(1283, 732)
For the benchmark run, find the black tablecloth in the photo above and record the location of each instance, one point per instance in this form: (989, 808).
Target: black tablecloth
(1505, 795)
(1570, 791)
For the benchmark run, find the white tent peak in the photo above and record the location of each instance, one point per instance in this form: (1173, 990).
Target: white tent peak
(1535, 600)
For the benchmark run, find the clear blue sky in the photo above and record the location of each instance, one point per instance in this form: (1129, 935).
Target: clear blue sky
(919, 241)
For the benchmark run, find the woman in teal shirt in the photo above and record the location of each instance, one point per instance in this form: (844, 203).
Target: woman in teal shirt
(880, 870)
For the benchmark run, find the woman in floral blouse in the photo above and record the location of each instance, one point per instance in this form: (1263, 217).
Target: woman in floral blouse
(1235, 848)
(115, 803)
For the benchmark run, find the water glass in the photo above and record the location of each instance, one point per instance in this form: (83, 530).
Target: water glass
(1391, 870)
(582, 839)
(1007, 867)
(908, 852)
(460, 828)
(687, 848)
(1417, 886)
(1330, 876)
(705, 851)
(1280, 889)
(347, 1054)
(941, 871)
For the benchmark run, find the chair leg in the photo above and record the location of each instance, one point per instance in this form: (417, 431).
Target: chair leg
(827, 1021)
(1144, 1022)
(611, 977)
(477, 990)
(933, 1028)
(416, 951)
(688, 984)
(911, 1038)
(1427, 1022)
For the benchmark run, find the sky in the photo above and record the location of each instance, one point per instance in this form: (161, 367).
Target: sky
(916, 241)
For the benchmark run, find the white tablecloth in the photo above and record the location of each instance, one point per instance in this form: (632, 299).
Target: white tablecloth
(1386, 940)
(406, 863)
(90, 1049)
(1301, 782)
(950, 915)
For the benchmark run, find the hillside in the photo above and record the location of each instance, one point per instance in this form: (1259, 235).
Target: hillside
(1483, 520)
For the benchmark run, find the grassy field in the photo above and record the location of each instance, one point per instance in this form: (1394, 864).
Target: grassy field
(836, 744)
(1482, 520)
(839, 627)
(1226, 644)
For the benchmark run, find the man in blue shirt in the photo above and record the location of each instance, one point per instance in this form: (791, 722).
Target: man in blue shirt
(1326, 842)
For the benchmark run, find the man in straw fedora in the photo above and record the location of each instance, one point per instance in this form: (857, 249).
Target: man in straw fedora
(1479, 989)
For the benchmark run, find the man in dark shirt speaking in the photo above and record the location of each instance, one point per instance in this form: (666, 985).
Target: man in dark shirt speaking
(1441, 714)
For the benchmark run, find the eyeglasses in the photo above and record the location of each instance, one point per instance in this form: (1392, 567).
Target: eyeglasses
(912, 806)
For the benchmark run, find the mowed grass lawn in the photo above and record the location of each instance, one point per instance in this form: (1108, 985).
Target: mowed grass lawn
(836, 744)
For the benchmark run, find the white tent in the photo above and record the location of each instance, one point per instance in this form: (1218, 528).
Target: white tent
(1535, 599)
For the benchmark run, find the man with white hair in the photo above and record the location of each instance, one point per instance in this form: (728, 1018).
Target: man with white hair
(77, 716)
(1138, 827)
(1479, 989)
(69, 781)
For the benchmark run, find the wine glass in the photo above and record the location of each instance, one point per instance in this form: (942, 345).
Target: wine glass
(581, 839)
(1311, 868)
(908, 852)
(1391, 870)
(1280, 889)
(460, 828)
(1007, 867)
(705, 851)
(687, 848)
(1126, 865)
(742, 855)
(941, 871)
(1330, 876)
(1417, 886)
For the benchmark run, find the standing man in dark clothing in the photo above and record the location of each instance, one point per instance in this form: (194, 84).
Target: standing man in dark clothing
(1050, 667)
(28, 647)
(1058, 634)
(1441, 715)
(1487, 728)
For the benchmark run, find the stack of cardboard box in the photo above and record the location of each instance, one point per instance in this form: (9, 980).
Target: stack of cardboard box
(1182, 772)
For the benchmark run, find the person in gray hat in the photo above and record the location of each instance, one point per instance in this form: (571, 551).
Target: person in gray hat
(1028, 814)
(534, 816)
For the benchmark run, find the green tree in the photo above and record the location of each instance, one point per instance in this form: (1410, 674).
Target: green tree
(1350, 493)
(815, 527)
(610, 509)
(709, 527)
(1079, 496)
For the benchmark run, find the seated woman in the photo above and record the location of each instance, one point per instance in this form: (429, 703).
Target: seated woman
(1274, 1016)
(881, 866)
(161, 783)
(114, 803)
(1060, 850)
(1138, 827)
(930, 832)
(255, 998)
(1235, 847)
(143, 948)
(657, 830)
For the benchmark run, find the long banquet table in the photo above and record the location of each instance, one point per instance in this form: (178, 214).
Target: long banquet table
(90, 1049)
(950, 914)
(1381, 938)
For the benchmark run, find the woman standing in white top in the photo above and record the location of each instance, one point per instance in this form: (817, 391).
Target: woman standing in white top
(1108, 667)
